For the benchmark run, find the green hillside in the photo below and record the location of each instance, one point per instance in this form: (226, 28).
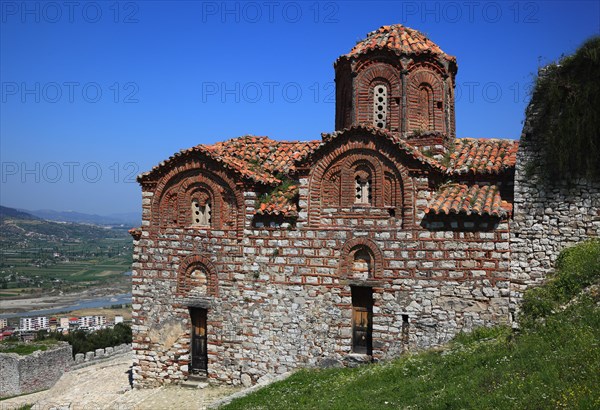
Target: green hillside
(567, 96)
(38, 255)
(552, 363)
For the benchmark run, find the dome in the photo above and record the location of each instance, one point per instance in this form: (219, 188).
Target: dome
(398, 39)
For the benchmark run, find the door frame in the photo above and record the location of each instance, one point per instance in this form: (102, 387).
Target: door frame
(198, 340)
(362, 302)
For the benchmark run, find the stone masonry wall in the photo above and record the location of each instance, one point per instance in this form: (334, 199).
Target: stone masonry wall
(34, 372)
(42, 369)
(278, 299)
(548, 217)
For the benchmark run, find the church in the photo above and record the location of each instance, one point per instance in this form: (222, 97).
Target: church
(257, 256)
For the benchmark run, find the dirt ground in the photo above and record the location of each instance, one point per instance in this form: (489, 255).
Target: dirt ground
(109, 313)
(28, 303)
(106, 385)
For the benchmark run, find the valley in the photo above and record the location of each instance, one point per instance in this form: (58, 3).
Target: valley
(48, 264)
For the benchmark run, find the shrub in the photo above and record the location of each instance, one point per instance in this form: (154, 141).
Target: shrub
(83, 342)
(576, 268)
(568, 97)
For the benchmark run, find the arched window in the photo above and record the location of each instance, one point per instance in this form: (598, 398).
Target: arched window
(363, 183)
(198, 281)
(197, 277)
(362, 266)
(201, 210)
(380, 105)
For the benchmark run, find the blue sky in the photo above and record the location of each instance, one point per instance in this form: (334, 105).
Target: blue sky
(96, 92)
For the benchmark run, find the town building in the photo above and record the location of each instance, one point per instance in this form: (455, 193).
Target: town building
(33, 323)
(91, 322)
(64, 323)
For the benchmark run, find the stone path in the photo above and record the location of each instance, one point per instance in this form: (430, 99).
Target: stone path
(106, 386)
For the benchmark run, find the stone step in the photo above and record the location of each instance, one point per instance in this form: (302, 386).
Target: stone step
(195, 381)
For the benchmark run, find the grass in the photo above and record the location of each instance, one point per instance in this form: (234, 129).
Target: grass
(24, 349)
(553, 363)
(576, 268)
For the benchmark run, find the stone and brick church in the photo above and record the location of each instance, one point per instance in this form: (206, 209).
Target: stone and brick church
(257, 256)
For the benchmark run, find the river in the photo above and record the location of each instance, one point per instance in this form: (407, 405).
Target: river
(84, 304)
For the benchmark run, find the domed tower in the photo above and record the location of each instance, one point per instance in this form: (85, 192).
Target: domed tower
(399, 80)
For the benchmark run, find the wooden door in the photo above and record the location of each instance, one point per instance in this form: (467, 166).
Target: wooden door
(362, 320)
(199, 341)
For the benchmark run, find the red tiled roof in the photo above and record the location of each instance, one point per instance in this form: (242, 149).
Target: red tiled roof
(280, 203)
(256, 158)
(399, 39)
(475, 199)
(482, 156)
(263, 152)
(400, 143)
(261, 158)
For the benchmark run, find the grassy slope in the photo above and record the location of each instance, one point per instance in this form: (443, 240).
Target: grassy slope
(553, 363)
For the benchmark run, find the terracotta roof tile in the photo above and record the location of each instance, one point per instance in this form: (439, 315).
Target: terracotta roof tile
(399, 39)
(262, 154)
(469, 200)
(280, 203)
(400, 143)
(482, 156)
(261, 158)
(257, 158)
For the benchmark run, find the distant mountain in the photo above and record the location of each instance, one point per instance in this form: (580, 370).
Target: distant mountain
(18, 228)
(129, 219)
(11, 213)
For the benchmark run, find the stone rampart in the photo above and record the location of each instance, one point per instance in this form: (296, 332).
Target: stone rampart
(42, 369)
(548, 215)
(36, 371)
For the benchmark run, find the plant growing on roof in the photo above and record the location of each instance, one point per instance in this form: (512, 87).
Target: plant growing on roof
(448, 156)
(284, 189)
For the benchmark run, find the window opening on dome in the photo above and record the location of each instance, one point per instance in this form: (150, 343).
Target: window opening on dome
(380, 101)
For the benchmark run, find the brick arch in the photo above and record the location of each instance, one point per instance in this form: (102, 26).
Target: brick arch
(428, 64)
(366, 79)
(350, 248)
(378, 57)
(425, 78)
(333, 162)
(169, 215)
(196, 183)
(210, 175)
(351, 163)
(332, 184)
(184, 281)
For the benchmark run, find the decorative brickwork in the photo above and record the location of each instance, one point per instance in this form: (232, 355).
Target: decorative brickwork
(417, 75)
(196, 181)
(258, 256)
(426, 100)
(356, 155)
(197, 275)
